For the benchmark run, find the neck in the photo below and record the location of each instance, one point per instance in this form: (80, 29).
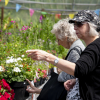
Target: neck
(90, 39)
(71, 44)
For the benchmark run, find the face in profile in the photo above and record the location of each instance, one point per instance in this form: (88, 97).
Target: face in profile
(81, 29)
(64, 42)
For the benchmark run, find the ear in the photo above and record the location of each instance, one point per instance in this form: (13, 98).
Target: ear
(66, 39)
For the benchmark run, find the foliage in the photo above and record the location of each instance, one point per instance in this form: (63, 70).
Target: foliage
(16, 69)
(15, 39)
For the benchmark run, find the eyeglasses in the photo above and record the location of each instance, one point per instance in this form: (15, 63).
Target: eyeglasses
(78, 24)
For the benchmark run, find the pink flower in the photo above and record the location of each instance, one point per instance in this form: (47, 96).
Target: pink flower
(37, 74)
(9, 33)
(44, 76)
(41, 18)
(44, 71)
(35, 80)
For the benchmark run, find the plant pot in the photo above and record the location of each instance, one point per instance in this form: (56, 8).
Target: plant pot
(20, 90)
(40, 82)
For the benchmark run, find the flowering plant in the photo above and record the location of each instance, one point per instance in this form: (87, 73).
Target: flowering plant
(15, 69)
(21, 68)
(6, 93)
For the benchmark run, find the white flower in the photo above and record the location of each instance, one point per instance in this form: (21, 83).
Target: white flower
(16, 64)
(19, 58)
(1, 69)
(8, 57)
(16, 69)
(11, 60)
(7, 61)
(20, 65)
(23, 55)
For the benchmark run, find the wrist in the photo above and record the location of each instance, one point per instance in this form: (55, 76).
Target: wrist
(50, 58)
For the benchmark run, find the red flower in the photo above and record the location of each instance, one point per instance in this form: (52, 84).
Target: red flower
(2, 98)
(0, 87)
(5, 84)
(39, 69)
(7, 95)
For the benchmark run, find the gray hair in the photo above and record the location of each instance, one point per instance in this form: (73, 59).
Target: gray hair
(64, 29)
(93, 31)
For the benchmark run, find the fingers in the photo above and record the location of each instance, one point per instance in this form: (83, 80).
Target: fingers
(30, 51)
(30, 83)
(37, 54)
(30, 90)
(66, 85)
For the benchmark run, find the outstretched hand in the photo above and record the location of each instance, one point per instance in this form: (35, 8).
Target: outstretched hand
(32, 89)
(69, 84)
(37, 54)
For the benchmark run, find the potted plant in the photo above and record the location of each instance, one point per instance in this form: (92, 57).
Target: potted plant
(16, 70)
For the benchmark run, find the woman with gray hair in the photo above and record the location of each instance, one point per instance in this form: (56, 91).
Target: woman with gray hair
(65, 34)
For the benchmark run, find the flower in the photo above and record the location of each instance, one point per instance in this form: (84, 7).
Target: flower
(16, 69)
(5, 91)
(21, 68)
(1, 69)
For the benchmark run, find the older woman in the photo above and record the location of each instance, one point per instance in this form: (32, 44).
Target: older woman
(65, 34)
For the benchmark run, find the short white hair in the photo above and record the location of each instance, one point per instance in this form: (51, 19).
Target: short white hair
(92, 31)
(63, 29)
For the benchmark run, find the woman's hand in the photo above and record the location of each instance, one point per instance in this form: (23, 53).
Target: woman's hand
(37, 54)
(32, 89)
(69, 84)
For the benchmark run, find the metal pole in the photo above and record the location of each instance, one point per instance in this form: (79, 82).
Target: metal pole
(2, 12)
(73, 4)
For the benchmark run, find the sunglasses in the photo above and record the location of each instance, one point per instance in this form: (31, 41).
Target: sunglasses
(78, 24)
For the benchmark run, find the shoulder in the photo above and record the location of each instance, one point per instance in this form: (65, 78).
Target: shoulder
(73, 55)
(94, 46)
(78, 44)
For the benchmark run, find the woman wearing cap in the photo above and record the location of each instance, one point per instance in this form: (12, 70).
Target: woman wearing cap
(87, 68)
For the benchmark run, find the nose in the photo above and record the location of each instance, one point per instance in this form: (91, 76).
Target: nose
(75, 27)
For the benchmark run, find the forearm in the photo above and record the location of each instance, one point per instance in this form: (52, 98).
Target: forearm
(64, 65)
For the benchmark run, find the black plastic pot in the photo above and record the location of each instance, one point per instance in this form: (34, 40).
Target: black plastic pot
(20, 90)
(40, 82)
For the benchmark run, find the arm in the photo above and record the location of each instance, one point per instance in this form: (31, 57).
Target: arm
(32, 89)
(64, 65)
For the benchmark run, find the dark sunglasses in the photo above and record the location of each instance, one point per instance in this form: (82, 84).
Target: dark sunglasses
(78, 24)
